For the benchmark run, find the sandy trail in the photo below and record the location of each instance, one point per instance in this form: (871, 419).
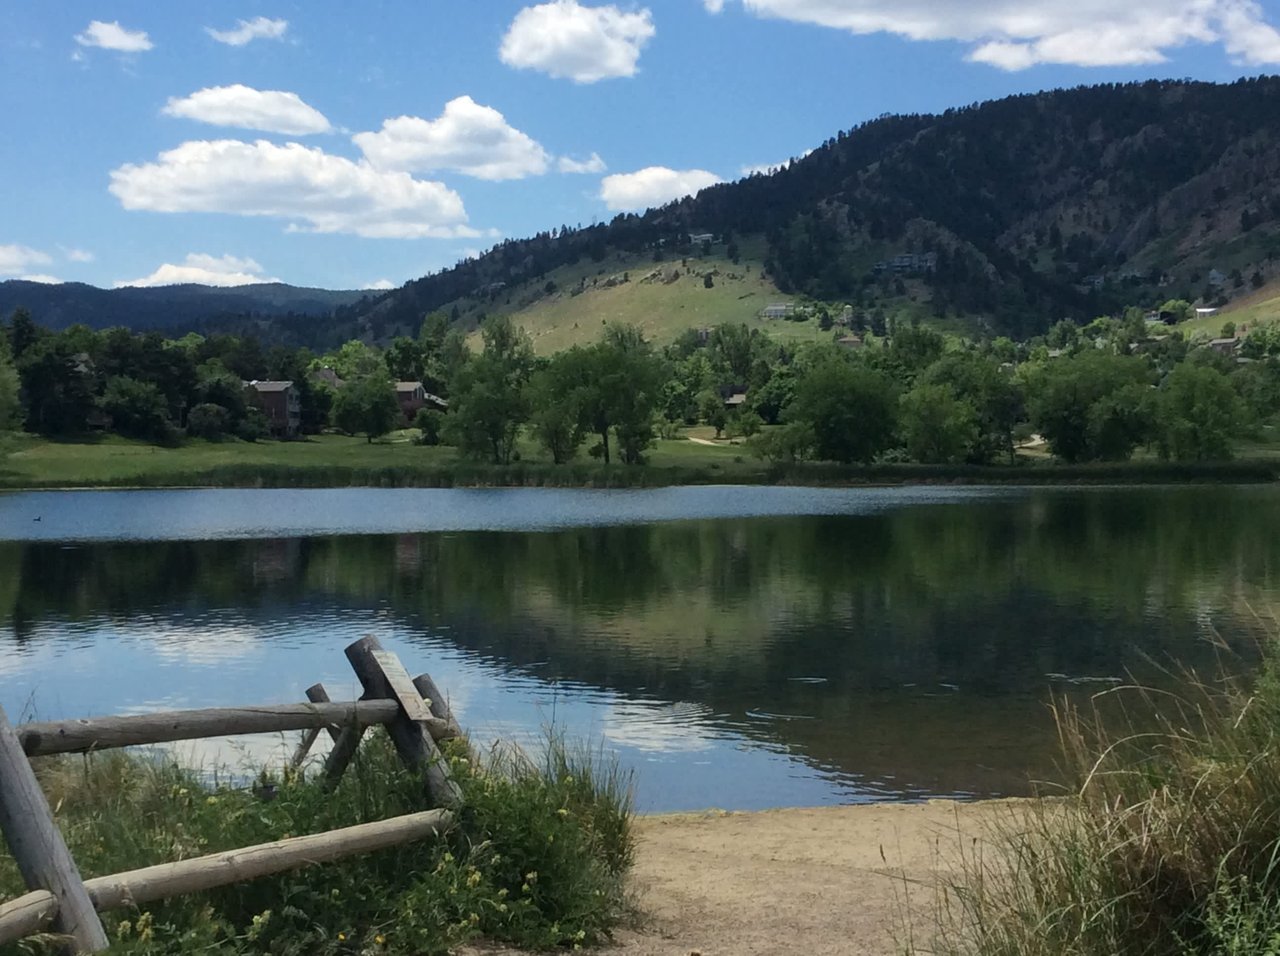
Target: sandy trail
(803, 881)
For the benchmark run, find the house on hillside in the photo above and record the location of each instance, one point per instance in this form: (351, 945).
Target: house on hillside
(1227, 346)
(778, 310)
(850, 341)
(698, 238)
(411, 396)
(280, 404)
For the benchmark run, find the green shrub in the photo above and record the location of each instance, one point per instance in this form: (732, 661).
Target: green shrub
(537, 856)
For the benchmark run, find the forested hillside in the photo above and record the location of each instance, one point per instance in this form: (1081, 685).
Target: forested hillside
(1070, 203)
(271, 311)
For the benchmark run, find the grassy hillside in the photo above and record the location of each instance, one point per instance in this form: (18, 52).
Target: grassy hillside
(571, 304)
(1260, 308)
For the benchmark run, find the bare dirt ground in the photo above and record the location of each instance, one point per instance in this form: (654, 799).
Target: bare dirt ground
(837, 880)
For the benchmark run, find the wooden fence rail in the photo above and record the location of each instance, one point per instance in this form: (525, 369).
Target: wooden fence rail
(413, 711)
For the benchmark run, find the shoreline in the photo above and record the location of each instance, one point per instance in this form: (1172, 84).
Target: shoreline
(860, 878)
(812, 475)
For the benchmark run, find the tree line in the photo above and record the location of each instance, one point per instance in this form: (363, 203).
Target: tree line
(1094, 393)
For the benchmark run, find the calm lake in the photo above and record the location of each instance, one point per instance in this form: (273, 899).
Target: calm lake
(738, 647)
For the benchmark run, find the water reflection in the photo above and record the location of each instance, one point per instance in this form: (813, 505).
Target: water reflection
(892, 652)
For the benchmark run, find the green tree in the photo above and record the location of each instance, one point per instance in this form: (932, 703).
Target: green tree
(938, 426)
(58, 389)
(1199, 414)
(851, 409)
(10, 390)
(556, 417)
(429, 423)
(367, 405)
(624, 383)
(712, 411)
(488, 394)
(22, 333)
(1091, 406)
(208, 421)
(137, 409)
(404, 360)
(994, 395)
(353, 360)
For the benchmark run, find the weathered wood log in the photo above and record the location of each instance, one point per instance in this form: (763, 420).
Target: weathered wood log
(317, 695)
(344, 749)
(27, 915)
(383, 676)
(437, 703)
(37, 845)
(139, 887)
(152, 883)
(102, 733)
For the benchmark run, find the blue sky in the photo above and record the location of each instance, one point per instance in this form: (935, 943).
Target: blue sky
(356, 145)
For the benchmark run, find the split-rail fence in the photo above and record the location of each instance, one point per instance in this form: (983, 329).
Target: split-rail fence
(414, 712)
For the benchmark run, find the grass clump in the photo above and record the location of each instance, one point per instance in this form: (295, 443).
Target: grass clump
(1168, 846)
(536, 858)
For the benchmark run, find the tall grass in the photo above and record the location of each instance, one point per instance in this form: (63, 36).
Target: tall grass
(1169, 844)
(536, 858)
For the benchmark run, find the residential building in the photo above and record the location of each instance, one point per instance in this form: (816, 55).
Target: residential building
(280, 404)
(778, 310)
(411, 396)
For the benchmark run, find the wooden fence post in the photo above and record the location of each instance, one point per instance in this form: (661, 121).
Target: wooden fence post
(383, 676)
(38, 847)
(317, 695)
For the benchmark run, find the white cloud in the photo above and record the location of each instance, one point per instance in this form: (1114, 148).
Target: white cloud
(1248, 37)
(15, 259)
(570, 41)
(713, 6)
(41, 277)
(379, 285)
(592, 164)
(310, 188)
(274, 111)
(259, 28)
(467, 138)
(112, 36)
(652, 186)
(76, 255)
(1015, 36)
(203, 269)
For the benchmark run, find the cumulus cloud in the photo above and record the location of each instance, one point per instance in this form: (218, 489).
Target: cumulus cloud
(570, 41)
(15, 259)
(273, 111)
(203, 269)
(766, 169)
(379, 285)
(259, 28)
(713, 6)
(76, 255)
(112, 36)
(1015, 36)
(592, 164)
(310, 188)
(42, 277)
(467, 138)
(652, 186)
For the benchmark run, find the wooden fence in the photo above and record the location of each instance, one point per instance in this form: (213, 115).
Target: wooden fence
(413, 711)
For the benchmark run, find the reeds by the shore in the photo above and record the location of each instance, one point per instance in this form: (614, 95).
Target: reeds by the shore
(1168, 845)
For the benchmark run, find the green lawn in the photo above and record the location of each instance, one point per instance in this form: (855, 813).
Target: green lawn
(26, 460)
(338, 461)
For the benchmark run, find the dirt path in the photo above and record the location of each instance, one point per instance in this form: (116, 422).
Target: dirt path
(793, 881)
